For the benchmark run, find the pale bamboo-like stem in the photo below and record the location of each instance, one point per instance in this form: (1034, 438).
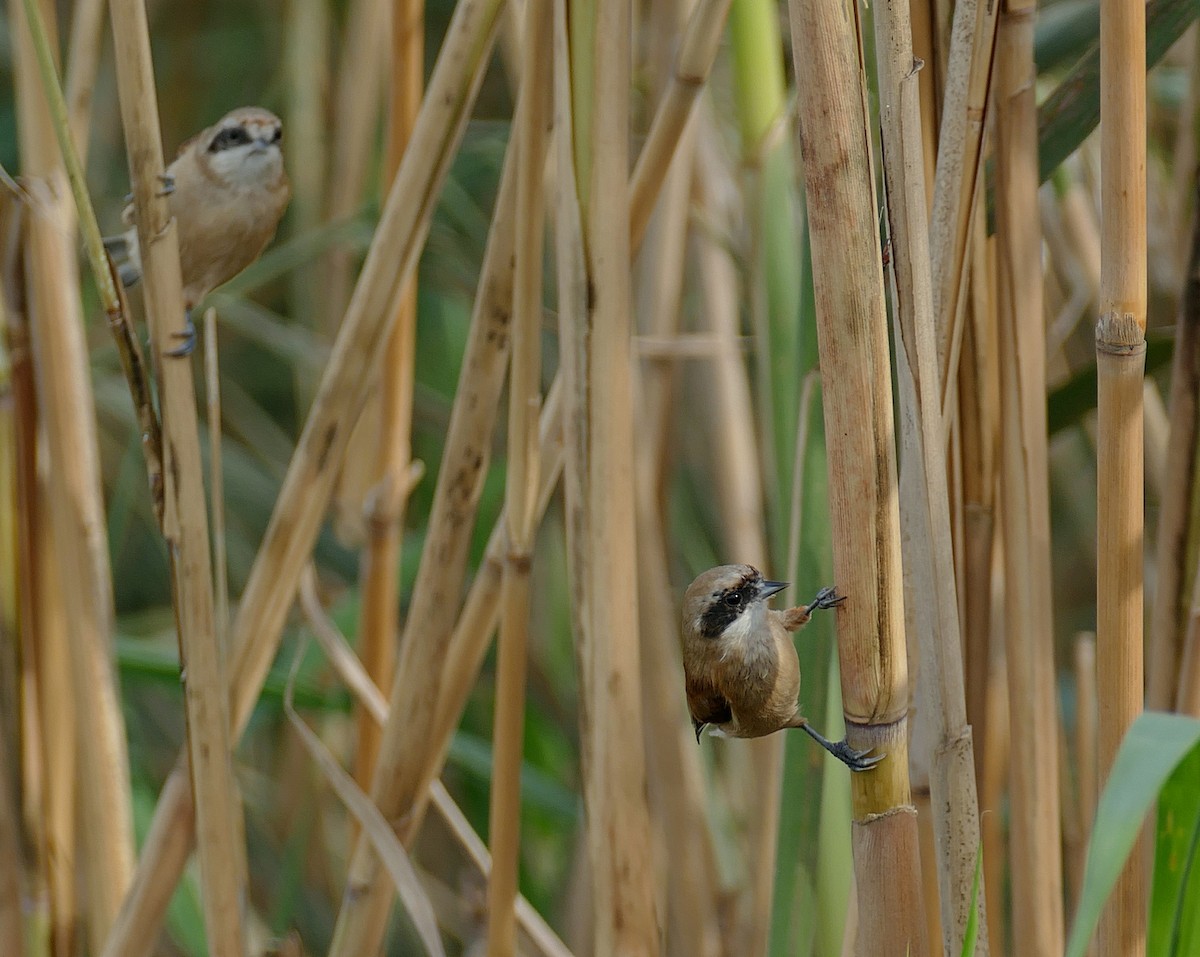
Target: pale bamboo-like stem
(693, 63)
(929, 562)
(852, 334)
(1085, 739)
(216, 478)
(83, 62)
(219, 826)
(1120, 365)
(388, 501)
(964, 115)
(1167, 623)
(74, 504)
(1036, 831)
(521, 480)
(298, 513)
(592, 60)
(685, 862)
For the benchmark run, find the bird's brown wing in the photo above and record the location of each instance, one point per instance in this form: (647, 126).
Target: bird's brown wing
(707, 705)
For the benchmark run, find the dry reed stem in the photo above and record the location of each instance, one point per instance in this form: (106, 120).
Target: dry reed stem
(76, 513)
(1187, 697)
(685, 858)
(219, 826)
(82, 65)
(963, 119)
(693, 62)
(521, 479)
(216, 478)
(300, 508)
(1167, 624)
(591, 116)
(852, 336)
(1120, 364)
(386, 504)
(1036, 835)
(929, 564)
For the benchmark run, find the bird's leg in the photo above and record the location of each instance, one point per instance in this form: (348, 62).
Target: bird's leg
(167, 182)
(188, 335)
(796, 618)
(854, 760)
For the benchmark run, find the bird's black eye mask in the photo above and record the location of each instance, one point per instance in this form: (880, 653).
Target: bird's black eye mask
(228, 138)
(726, 607)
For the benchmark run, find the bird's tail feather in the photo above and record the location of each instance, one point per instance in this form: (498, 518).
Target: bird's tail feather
(124, 252)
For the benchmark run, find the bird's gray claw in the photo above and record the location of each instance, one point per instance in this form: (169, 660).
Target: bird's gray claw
(188, 335)
(856, 760)
(826, 598)
(168, 184)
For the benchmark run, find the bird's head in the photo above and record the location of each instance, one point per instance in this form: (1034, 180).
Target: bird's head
(727, 596)
(244, 148)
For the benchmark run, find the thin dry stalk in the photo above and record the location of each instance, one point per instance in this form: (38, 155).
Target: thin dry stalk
(960, 148)
(185, 520)
(929, 559)
(591, 116)
(216, 478)
(521, 482)
(387, 503)
(83, 62)
(1120, 366)
(852, 336)
(693, 62)
(308, 486)
(1167, 625)
(76, 513)
(1036, 834)
(686, 866)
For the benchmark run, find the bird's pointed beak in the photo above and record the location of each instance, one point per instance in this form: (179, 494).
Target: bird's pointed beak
(767, 589)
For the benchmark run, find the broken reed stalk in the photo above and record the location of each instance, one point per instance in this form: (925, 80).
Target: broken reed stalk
(1036, 826)
(852, 334)
(1120, 367)
(960, 147)
(387, 500)
(591, 82)
(300, 509)
(693, 62)
(521, 478)
(219, 827)
(932, 599)
(1170, 595)
(74, 510)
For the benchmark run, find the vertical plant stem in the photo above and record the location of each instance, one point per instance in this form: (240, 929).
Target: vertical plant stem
(852, 334)
(1120, 364)
(216, 478)
(592, 61)
(1036, 832)
(387, 503)
(932, 600)
(219, 826)
(521, 481)
(1170, 594)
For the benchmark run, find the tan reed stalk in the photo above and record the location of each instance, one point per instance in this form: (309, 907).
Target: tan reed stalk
(960, 147)
(1086, 710)
(1035, 825)
(852, 335)
(592, 62)
(693, 62)
(685, 860)
(83, 62)
(216, 479)
(73, 503)
(219, 826)
(521, 479)
(11, 863)
(1167, 623)
(1187, 696)
(929, 561)
(1120, 365)
(386, 503)
(299, 511)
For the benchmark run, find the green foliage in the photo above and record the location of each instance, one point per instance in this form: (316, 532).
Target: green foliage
(1159, 760)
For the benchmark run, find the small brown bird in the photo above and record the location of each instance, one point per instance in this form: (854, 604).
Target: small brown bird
(227, 190)
(742, 673)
